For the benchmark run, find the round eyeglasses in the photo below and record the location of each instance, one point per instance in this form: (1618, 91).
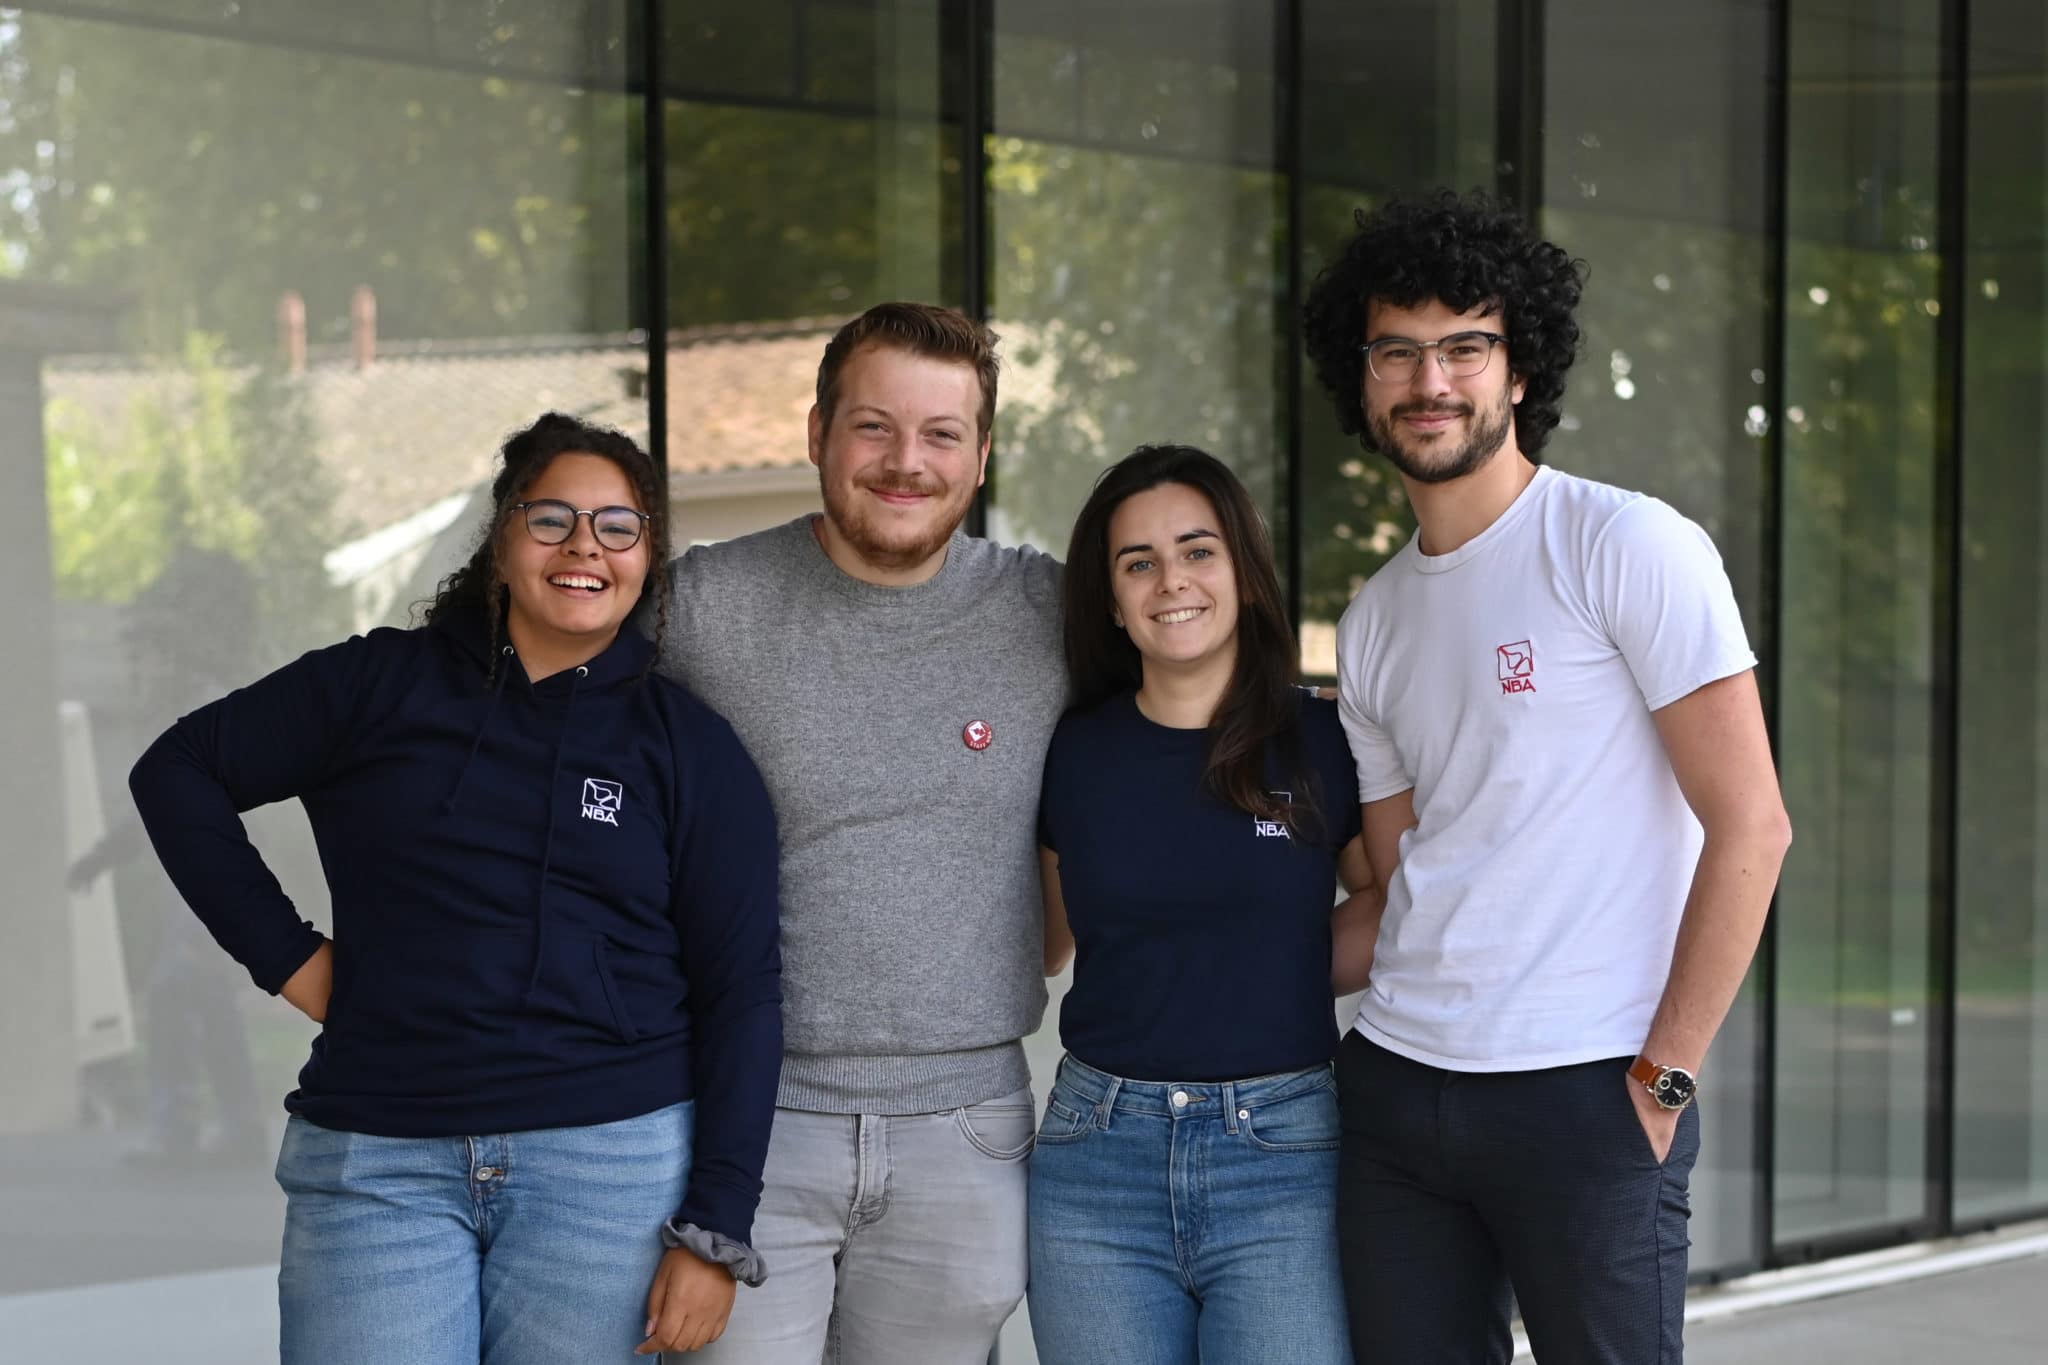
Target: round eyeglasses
(1394, 360)
(551, 521)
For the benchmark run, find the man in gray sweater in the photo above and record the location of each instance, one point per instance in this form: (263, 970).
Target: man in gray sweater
(897, 682)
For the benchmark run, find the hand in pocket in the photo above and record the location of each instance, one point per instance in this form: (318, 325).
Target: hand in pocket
(1660, 1125)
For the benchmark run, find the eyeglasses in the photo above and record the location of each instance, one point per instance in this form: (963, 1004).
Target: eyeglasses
(1394, 360)
(551, 522)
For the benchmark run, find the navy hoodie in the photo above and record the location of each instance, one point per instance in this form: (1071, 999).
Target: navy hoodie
(554, 903)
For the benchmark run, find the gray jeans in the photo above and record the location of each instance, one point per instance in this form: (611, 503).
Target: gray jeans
(889, 1240)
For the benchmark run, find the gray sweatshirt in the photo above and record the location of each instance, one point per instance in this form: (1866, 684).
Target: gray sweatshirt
(911, 913)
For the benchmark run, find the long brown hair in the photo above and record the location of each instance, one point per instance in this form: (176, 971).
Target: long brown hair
(1261, 706)
(524, 457)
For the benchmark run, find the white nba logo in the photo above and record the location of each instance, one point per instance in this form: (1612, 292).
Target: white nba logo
(602, 799)
(1272, 829)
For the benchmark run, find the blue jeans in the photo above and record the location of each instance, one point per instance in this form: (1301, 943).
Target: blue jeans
(1173, 1222)
(509, 1249)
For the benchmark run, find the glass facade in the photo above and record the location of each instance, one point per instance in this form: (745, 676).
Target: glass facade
(274, 281)
(1392, 97)
(277, 276)
(2000, 1112)
(812, 163)
(1136, 245)
(1857, 721)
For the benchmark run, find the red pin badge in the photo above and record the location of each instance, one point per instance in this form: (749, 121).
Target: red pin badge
(978, 735)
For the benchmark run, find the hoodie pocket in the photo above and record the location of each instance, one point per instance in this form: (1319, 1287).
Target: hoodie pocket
(578, 983)
(458, 987)
(622, 1019)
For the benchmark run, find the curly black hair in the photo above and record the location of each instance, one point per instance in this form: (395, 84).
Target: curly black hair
(1466, 251)
(525, 455)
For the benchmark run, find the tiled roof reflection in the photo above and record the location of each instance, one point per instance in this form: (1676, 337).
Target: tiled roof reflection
(426, 417)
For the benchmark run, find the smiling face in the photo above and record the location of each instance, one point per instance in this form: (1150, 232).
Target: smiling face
(1437, 426)
(1172, 579)
(568, 601)
(899, 461)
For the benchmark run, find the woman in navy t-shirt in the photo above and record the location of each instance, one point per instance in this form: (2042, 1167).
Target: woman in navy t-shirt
(1198, 812)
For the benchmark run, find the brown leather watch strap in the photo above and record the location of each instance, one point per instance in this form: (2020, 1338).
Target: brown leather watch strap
(1643, 1071)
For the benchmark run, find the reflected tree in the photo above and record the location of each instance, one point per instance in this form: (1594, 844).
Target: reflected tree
(210, 456)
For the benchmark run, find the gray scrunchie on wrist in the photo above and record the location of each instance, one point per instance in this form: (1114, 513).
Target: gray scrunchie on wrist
(743, 1261)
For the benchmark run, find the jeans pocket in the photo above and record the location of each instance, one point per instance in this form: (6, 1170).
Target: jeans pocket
(309, 1157)
(1000, 1129)
(1304, 1122)
(1063, 1122)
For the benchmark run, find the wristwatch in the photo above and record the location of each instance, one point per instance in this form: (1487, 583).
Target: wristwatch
(1671, 1086)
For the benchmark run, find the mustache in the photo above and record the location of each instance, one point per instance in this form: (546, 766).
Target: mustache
(1409, 409)
(883, 483)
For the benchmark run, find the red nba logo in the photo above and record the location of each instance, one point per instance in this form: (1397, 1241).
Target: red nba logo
(1517, 664)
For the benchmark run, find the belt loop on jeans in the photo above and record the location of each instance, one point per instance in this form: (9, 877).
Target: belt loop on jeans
(1230, 1106)
(1107, 1103)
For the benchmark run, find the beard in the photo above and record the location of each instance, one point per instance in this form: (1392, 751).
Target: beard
(900, 546)
(1489, 432)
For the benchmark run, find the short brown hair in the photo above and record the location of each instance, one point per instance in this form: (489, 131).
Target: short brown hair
(921, 329)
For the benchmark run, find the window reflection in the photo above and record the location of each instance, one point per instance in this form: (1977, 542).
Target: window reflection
(1431, 69)
(1854, 1015)
(272, 289)
(813, 170)
(1136, 224)
(2001, 1119)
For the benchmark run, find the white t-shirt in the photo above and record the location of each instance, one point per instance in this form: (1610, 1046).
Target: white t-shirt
(1510, 683)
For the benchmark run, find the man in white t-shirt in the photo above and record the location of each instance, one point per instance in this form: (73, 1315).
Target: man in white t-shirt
(1569, 802)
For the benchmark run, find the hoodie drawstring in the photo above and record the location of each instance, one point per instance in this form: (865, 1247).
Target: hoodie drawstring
(497, 691)
(547, 847)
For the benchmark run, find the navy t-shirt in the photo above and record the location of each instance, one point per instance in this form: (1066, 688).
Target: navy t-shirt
(1202, 935)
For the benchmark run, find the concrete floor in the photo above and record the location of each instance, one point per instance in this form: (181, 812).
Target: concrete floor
(1994, 1315)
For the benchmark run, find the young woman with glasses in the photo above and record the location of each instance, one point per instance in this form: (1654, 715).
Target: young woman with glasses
(1198, 810)
(533, 1125)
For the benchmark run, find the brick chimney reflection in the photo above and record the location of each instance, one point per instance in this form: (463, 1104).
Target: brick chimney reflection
(291, 330)
(362, 326)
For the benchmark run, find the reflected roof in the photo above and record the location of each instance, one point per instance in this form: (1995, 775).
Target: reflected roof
(426, 418)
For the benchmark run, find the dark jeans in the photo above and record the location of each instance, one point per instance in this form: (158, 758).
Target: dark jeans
(1460, 1194)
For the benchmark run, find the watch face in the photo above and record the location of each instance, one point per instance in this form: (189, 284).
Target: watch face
(1674, 1089)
